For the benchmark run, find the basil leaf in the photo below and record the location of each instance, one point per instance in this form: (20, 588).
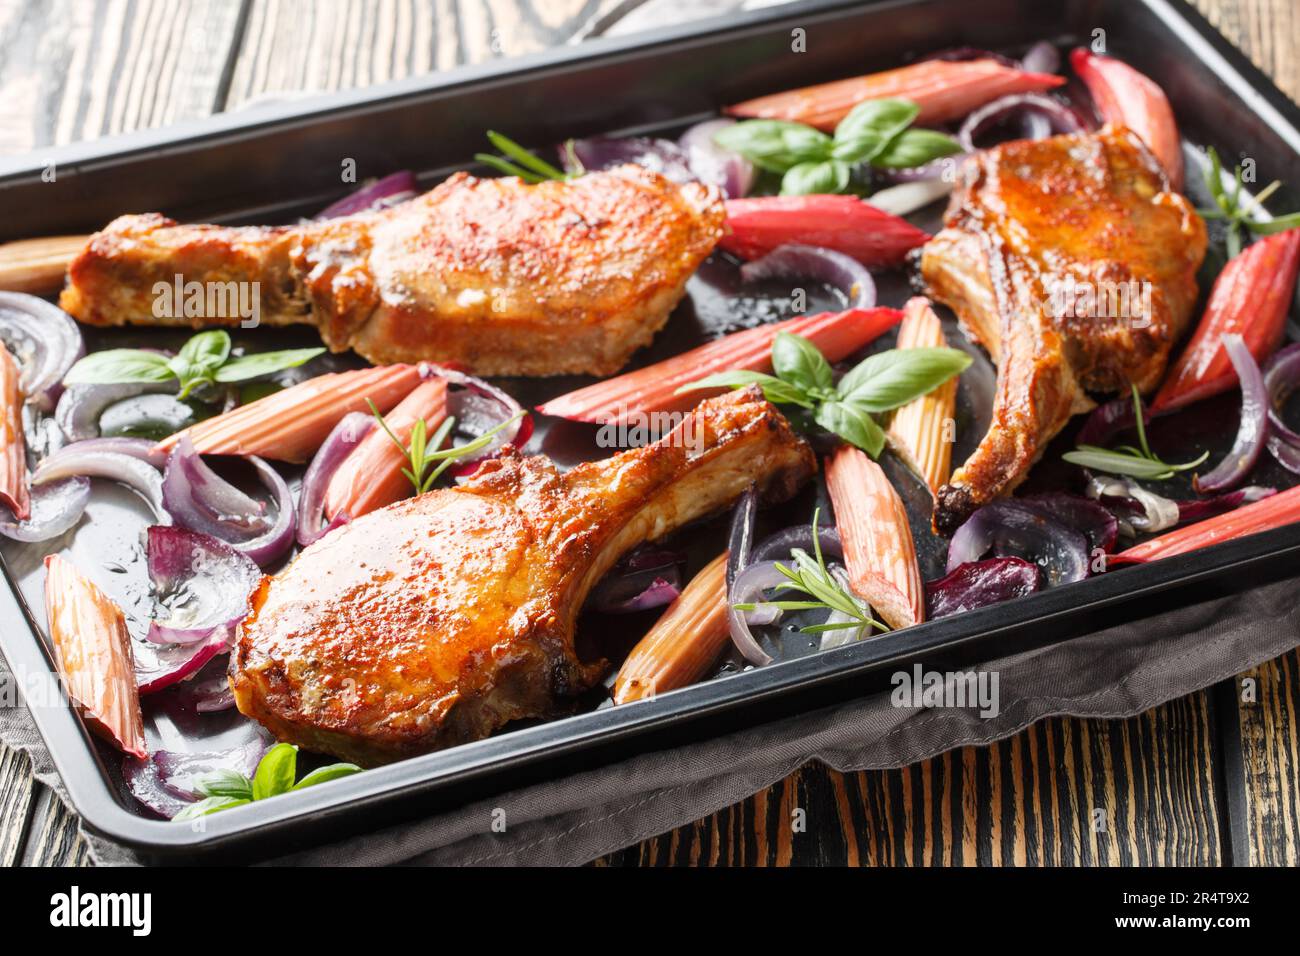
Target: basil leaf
(264, 363)
(889, 379)
(209, 805)
(774, 145)
(797, 361)
(852, 423)
(114, 366)
(225, 783)
(276, 771)
(870, 127)
(774, 389)
(808, 179)
(207, 350)
(915, 147)
(334, 771)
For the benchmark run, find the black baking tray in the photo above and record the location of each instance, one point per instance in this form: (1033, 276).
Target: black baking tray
(250, 167)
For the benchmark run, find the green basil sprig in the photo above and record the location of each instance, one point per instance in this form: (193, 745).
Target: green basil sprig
(877, 384)
(203, 360)
(276, 772)
(875, 133)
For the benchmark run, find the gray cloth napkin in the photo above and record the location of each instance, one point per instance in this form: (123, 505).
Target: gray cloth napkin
(1113, 673)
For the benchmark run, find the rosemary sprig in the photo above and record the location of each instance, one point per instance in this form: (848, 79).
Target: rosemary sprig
(427, 465)
(1138, 462)
(1238, 208)
(528, 166)
(811, 577)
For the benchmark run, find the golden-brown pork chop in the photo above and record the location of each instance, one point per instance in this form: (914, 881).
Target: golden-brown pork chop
(438, 619)
(503, 277)
(1074, 264)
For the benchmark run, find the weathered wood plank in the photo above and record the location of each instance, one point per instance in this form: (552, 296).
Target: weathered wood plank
(16, 792)
(1063, 793)
(81, 69)
(1267, 30)
(53, 839)
(293, 47)
(1269, 717)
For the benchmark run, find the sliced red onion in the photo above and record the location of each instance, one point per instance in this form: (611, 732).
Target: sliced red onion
(479, 407)
(168, 781)
(909, 196)
(141, 448)
(93, 462)
(1149, 513)
(80, 406)
(380, 194)
(1012, 528)
(1042, 57)
(56, 508)
(1039, 117)
(962, 54)
(748, 588)
(1200, 508)
(712, 164)
(1145, 511)
(159, 666)
(1287, 454)
(645, 579)
(740, 538)
(1110, 419)
(44, 341)
(796, 261)
(278, 539)
(202, 582)
(1084, 515)
(979, 584)
(1253, 431)
(1281, 378)
(662, 156)
(208, 695)
(201, 500)
(346, 435)
(778, 547)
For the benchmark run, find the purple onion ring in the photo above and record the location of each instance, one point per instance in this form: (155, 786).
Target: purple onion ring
(796, 261)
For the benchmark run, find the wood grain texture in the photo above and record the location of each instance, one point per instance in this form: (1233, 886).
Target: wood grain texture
(1268, 31)
(81, 69)
(292, 47)
(17, 787)
(1268, 714)
(1064, 792)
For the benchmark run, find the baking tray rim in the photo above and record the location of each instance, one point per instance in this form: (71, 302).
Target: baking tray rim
(82, 768)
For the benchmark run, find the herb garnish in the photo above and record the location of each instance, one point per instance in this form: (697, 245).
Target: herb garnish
(1238, 207)
(878, 383)
(875, 133)
(528, 166)
(1138, 462)
(203, 360)
(811, 577)
(423, 452)
(275, 775)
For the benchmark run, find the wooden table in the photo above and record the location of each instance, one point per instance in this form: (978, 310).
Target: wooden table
(1207, 779)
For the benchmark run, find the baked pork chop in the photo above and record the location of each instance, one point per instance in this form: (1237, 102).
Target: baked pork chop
(500, 276)
(438, 619)
(1071, 261)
